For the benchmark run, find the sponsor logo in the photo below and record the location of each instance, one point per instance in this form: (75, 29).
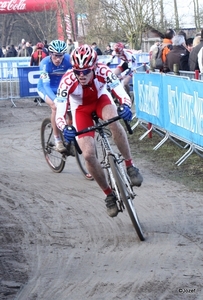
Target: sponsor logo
(12, 5)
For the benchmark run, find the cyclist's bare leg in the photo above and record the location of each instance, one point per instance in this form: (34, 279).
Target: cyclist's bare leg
(125, 82)
(53, 115)
(87, 145)
(117, 71)
(121, 140)
(118, 132)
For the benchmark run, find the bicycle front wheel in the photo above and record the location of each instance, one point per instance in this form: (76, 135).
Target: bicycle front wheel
(54, 159)
(126, 197)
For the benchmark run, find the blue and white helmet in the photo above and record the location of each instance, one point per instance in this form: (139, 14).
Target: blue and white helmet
(57, 46)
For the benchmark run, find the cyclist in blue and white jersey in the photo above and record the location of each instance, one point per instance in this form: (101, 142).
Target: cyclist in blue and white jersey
(52, 68)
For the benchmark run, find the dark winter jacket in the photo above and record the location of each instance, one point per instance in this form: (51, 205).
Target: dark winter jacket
(99, 52)
(184, 61)
(11, 52)
(193, 60)
(174, 56)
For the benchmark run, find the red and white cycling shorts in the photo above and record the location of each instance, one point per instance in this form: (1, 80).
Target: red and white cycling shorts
(82, 116)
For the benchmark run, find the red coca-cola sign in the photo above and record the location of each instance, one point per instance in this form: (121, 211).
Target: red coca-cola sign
(20, 6)
(26, 6)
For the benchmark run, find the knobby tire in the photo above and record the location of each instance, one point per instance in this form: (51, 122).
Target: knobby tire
(125, 197)
(53, 158)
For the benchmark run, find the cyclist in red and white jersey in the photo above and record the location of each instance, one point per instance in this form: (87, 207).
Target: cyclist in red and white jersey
(128, 62)
(84, 88)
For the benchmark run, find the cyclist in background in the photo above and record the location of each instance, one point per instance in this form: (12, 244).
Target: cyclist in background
(128, 62)
(84, 88)
(52, 69)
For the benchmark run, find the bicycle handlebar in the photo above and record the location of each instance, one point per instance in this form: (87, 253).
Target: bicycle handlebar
(98, 125)
(103, 124)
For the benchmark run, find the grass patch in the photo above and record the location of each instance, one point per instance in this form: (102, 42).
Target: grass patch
(189, 173)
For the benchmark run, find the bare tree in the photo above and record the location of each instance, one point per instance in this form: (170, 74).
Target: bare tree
(7, 25)
(161, 13)
(176, 15)
(39, 25)
(197, 14)
(131, 17)
(35, 26)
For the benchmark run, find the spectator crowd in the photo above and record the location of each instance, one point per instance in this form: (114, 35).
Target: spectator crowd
(185, 53)
(179, 52)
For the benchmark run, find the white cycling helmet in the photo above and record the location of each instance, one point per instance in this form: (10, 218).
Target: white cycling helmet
(83, 57)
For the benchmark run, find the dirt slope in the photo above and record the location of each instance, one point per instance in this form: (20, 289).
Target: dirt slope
(57, 241)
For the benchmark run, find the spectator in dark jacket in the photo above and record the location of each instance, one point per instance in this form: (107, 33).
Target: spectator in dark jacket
(108, 50)
(193, 59)
(94, 46)
(11, 51)
(174, 56)
(184, 61)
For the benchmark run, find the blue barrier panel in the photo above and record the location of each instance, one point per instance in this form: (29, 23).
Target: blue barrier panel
(9, 65)
(172, 103)
(28, 78)
(148, 96)
(184, 108)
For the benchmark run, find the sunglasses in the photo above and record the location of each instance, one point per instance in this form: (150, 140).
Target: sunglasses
(84, 72)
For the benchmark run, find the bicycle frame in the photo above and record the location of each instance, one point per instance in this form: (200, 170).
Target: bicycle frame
(107, 150)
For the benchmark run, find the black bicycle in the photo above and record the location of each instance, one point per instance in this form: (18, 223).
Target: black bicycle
(55, 159)
(116, 173)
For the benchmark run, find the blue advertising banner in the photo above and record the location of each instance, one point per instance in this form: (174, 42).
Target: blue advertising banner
(28, 78)
(172, 103)
(183, 111)
(148, 97)
(9, 66)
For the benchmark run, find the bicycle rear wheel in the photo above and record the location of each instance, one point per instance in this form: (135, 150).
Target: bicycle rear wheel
(54, 159)
(126, 197)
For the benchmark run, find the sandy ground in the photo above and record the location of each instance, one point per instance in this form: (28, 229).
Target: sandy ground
(57, 242)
